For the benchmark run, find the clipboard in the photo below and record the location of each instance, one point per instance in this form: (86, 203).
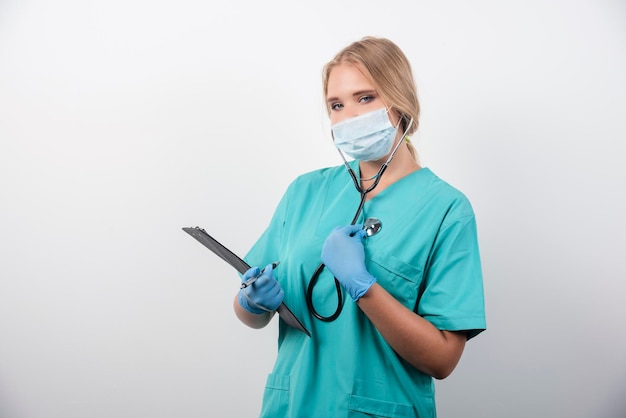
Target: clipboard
(241, 266)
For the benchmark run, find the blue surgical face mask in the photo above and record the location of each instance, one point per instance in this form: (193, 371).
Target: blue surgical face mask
(366, 137)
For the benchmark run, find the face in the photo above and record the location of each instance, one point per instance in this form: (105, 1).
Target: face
(350, 93)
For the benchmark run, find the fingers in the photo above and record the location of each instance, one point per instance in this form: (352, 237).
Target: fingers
(351, 230)
(268, 269)
(264, 294)
(252, 272)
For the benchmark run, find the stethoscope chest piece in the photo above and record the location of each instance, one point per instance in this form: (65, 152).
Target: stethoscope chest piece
(372, 226)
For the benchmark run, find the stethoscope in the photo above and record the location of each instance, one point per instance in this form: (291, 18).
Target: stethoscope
(371, 226)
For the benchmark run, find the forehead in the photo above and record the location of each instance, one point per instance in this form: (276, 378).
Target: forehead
(347, 78)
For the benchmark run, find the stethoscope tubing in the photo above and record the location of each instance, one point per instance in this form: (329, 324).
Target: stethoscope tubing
(363, 193)
(321, 266)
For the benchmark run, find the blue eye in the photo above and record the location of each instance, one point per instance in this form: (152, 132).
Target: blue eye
(366, 99)
(336, 106)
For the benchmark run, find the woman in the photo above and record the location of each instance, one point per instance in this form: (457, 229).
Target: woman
(389, 307)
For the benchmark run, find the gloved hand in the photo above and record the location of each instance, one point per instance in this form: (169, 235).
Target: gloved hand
(344, 255)
(264, 295)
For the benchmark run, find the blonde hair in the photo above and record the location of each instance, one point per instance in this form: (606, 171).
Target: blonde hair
(390, 72)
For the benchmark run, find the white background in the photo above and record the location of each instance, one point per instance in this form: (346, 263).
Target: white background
(123, 121)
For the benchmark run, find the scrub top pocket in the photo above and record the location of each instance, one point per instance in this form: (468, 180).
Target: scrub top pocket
(276, 397)
(400, 279)
(360, 406)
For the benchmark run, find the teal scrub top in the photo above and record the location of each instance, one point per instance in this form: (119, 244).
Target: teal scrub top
(426, 255)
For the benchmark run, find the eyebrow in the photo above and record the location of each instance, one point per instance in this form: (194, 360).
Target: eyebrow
(355, 94)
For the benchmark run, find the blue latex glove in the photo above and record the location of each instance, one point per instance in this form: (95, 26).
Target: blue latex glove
(264, 295)
(344, 255)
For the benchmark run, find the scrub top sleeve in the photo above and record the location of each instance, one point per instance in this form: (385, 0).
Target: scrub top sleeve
(453, 296)
(266, 249)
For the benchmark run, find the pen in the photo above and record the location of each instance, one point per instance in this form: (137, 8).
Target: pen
(254, 278)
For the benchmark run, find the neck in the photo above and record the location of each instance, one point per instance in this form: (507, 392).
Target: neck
(400, 165)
